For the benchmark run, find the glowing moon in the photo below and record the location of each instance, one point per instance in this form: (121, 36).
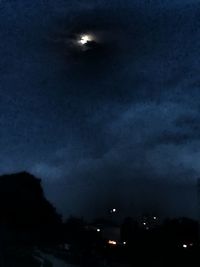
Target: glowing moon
(85, 39)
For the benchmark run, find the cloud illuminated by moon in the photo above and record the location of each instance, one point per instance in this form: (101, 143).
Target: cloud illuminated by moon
(85, 39)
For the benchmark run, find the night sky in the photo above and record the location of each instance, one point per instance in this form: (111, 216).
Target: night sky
(115, 122)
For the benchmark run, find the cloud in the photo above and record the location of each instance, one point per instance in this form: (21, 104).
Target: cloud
(132, 171)
(116, 127)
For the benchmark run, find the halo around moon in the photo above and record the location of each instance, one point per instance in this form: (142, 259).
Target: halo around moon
(84, 39)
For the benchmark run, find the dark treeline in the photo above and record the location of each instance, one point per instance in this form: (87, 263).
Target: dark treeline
(28, 223)
(170, 242)
(27, 220)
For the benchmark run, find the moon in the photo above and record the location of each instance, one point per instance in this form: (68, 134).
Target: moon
(84, 39)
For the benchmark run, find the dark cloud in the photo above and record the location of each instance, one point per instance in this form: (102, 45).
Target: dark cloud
(174, 138)
(115, 124)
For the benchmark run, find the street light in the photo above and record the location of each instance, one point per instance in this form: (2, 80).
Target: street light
(113, 210)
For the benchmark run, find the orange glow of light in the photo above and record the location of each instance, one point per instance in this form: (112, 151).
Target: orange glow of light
(112, 242)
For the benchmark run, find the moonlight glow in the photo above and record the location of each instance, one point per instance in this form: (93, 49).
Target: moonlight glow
(85, 39)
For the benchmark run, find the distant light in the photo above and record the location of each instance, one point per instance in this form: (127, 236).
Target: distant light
(112, 242)
(144, 223)
(155, 218)
(185, 246)
(98, 230)
(191, 244)
(147, 228)
(113, 210)
(124, 243)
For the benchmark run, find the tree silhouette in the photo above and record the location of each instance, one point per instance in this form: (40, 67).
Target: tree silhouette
(23, 204)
